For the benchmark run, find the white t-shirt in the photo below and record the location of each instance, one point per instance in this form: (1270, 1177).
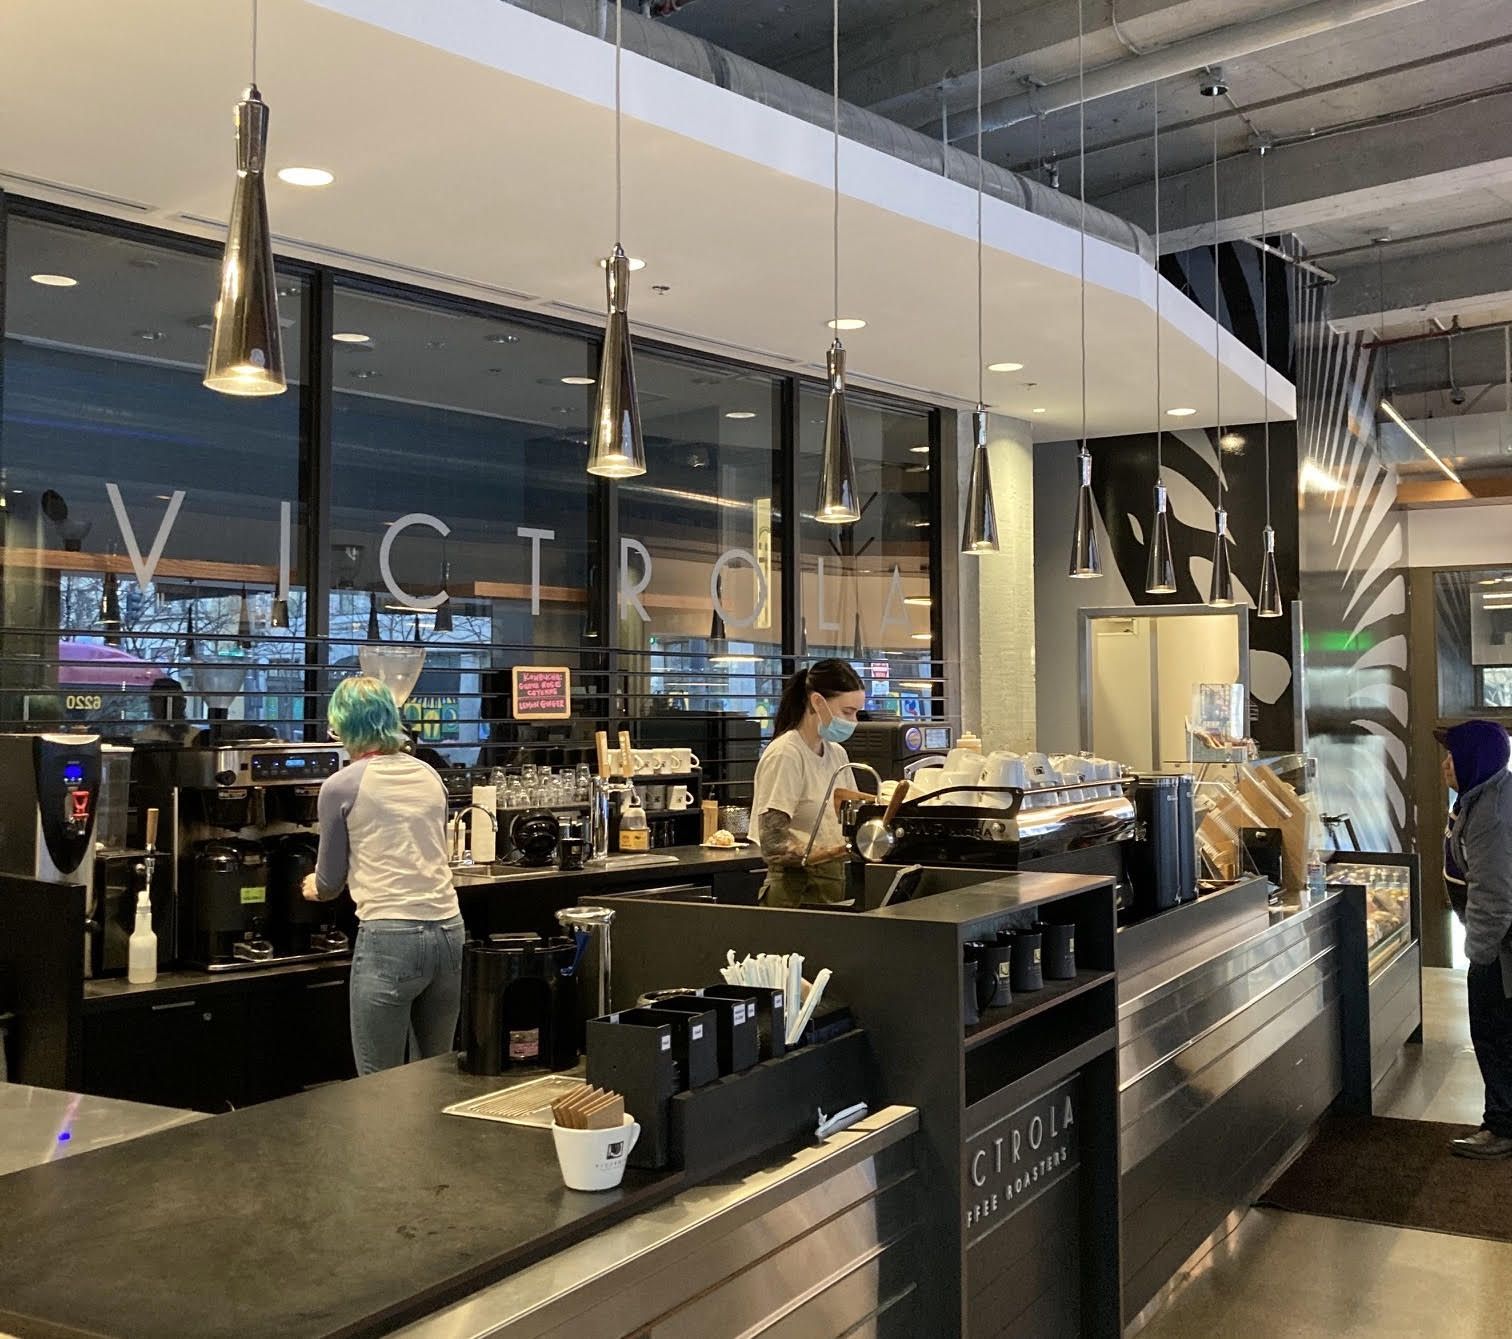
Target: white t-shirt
(792, 779)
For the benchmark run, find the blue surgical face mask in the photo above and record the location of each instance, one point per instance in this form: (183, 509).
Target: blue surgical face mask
(837, 729)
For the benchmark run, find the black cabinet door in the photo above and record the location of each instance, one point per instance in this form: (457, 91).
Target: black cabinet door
(182, 1052)
(321, 1031)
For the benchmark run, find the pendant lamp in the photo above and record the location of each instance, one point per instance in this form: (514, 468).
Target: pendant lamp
(858, 650)
(246, 355)
(443, 621)
(191, 648)
(1085, 560)
(278, 613)
(110, 606)
(1160, 569)
(418, 637)
(617, 449)
(374, 633)
(839, 501)
(979, 533)
(1221, 585)
(1269, 605)
(244, 622)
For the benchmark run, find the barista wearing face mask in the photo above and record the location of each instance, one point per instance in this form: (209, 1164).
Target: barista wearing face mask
(816, 716)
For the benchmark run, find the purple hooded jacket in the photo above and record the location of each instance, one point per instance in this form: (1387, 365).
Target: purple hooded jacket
(1480, 839)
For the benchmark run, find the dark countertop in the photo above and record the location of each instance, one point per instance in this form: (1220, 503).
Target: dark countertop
(337, 1212)
(992, 897)
(673, 864)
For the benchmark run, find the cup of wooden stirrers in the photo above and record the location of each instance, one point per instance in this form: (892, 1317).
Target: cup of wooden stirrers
(593, 1137)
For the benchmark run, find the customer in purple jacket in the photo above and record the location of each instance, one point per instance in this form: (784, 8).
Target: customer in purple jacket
(1478, 854)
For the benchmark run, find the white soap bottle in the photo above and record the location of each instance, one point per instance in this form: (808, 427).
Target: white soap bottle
(141, 948)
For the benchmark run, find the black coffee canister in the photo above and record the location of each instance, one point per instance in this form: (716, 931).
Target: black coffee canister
(986, 984)
(997, 964)
(969, 1009)
(1027, 970)
(1058, 958)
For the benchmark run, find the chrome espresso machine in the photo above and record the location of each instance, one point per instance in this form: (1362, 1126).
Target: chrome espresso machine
(244, 826)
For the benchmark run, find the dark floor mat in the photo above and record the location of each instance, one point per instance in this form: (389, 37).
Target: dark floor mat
(1398, 1172)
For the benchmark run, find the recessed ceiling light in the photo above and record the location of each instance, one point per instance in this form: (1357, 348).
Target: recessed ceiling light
(636, 263)
(916, 469)
(305, 176)
(923, 636)
(919, 450)
(502, 339)
(1040, 410)
(741, 413)
(351, 337)
(1005, 367)
(577, 381)
(54, 280)
(920, 601)
(1231, 441)
(1181, 412)
(151, 336)
(364, 373)
(921, 525)
(847, 323)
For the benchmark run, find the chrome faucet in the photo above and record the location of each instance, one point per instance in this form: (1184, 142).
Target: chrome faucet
(461, 854)
(830, 790)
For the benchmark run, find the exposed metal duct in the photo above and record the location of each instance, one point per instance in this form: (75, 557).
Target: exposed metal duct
(692, 55)
(1182, 57)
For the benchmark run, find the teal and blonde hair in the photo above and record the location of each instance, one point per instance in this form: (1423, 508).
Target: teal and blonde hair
(364, 717)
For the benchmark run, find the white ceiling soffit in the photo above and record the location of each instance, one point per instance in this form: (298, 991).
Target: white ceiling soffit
(472, 146)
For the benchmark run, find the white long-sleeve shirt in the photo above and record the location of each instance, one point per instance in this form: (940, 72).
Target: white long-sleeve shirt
(383, 836)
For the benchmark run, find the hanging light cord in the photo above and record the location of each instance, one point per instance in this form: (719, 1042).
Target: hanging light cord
(981, 399)
(835, 125)
(254, 43)
(1081, 117)
(1159, 396)
(1265, 333)
(1217, 324)
(619, 190)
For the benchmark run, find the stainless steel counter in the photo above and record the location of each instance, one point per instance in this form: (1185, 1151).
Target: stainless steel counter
(40, 1125)
(822, 1239)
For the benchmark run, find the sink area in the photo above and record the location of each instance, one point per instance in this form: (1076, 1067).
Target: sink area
(638, 861)
(501, 871)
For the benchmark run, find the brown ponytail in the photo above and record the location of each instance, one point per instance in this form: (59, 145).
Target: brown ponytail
(829, 678)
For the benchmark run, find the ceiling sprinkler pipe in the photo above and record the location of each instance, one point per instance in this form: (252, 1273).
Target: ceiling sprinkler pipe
(1183, 57)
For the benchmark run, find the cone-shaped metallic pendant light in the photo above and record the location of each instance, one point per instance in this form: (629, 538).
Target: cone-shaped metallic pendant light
(374, 633)
(839, 501)
(980, 533)
(1269, 603)
(110, 604)
(858, 649)
(1160, 568)
(979, 530)
(244, 622)
(246, 353)
(616, 449)
(278, 613)
(1086, 561)
(443, 621)
(418, 637)
(191, 647)
(1221, 588)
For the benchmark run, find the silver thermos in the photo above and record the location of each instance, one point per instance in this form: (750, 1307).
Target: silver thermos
(594, 980)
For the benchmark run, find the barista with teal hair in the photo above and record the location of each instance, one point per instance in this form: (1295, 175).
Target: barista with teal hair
(383, 836)
(816, 716)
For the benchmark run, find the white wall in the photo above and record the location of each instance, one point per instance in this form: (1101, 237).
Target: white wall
(1455, 535)
(997, 594)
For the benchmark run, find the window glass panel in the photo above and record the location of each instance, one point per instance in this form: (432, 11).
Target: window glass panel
(103, 388)
(868, 588)
(1474, 626)
(481, 425)
(699, 677)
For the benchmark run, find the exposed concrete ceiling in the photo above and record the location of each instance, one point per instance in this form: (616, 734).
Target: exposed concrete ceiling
(1394, 125)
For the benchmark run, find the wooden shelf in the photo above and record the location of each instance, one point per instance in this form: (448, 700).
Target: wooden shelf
(1025, 1006)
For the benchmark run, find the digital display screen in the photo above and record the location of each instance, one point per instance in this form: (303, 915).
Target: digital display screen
(294, 764)
(73, 773)
(937, 737)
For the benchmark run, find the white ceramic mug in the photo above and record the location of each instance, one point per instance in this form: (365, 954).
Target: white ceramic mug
(646, 762)
(654, 797)
(679, 797)
(594, 1159)
(682, 760)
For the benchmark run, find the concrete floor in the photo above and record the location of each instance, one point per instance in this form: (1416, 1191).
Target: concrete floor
(1294, 1276)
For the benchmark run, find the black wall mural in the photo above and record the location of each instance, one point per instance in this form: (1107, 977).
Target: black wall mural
(1123, 478)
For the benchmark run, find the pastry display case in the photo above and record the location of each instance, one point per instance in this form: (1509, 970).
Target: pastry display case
(1390, 881)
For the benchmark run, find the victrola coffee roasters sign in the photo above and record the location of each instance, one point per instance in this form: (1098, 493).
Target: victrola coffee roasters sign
(1014, 1158)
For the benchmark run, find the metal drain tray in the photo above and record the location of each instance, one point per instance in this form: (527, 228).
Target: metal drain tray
(523, 1104)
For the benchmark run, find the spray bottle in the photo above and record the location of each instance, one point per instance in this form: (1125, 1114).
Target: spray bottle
(141, 948)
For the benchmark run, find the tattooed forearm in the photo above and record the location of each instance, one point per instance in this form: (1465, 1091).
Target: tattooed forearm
(778, 844)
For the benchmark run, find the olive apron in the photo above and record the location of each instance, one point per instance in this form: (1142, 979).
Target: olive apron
(795, 885)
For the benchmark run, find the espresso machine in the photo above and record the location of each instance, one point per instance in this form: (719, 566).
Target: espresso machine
(244, 829)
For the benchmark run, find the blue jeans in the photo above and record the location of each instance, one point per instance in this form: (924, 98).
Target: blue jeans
(405, 974)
